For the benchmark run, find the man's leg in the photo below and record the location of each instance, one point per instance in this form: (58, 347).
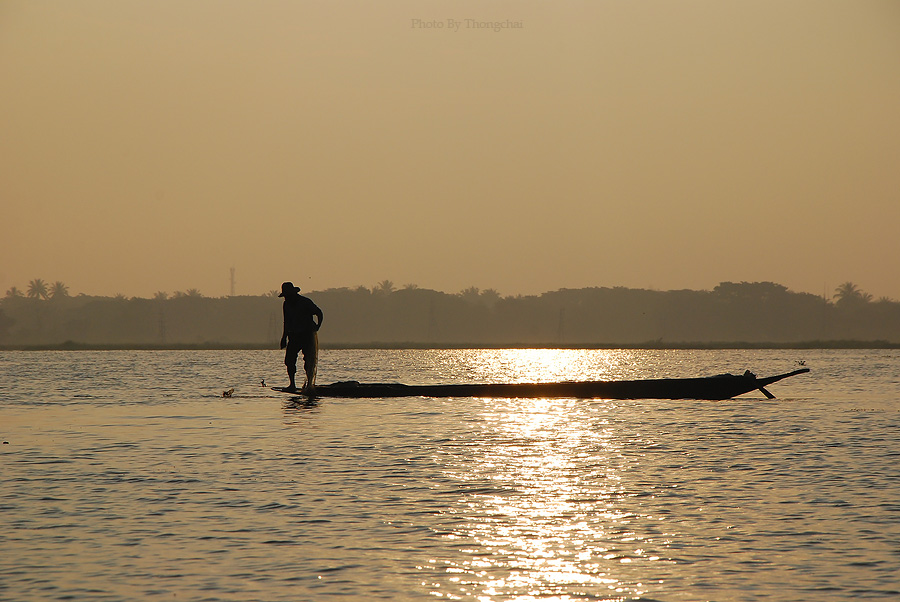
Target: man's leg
(310, 359)
(290, 360)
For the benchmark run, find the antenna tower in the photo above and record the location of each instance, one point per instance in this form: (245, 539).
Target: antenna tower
(232, 282)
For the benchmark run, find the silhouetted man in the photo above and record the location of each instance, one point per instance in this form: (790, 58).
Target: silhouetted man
(300, 334)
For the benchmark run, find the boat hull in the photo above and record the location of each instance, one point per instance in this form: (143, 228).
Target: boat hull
(725, 386)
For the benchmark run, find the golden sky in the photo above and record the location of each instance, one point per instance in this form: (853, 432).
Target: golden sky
(151, 145)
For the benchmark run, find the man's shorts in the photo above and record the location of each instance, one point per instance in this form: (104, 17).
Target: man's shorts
(307, 342)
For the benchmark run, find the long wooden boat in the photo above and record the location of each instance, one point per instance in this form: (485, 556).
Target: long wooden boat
(724, 386)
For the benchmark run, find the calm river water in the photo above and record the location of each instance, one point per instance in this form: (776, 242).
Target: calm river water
(127, 476)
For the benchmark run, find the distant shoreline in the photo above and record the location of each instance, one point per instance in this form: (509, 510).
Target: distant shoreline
(75, 346)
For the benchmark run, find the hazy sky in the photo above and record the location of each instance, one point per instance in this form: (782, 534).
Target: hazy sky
(152, 145)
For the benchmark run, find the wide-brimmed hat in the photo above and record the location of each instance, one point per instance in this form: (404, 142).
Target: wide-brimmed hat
(288, 288)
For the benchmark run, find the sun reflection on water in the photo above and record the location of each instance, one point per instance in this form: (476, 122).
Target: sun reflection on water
(542, 513)
(539, 365)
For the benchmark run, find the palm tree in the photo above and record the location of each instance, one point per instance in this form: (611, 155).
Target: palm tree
(192, 292)
(14, 292)
(850, 294)
(385, 287)
(37, 289)
(59, 290)
(161, 296)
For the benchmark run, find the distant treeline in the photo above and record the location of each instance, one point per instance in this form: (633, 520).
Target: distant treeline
(740, 314)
